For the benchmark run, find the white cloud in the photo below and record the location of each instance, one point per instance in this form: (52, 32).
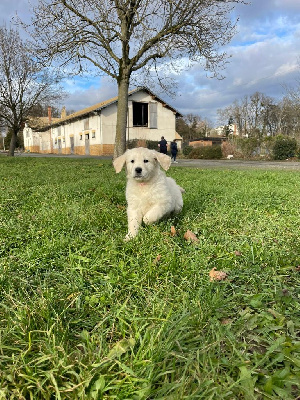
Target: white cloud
(88, 92)
(286, 68)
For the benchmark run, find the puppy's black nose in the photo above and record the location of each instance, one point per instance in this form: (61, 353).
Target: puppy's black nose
(138, 170)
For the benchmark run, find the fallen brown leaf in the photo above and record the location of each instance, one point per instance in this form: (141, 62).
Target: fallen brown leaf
(215, 275)
(157, 259)
(226, 321)
(237, 253)
(173, 231)
(189, 235)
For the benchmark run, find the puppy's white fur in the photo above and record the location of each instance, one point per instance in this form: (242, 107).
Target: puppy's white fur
(150, 194)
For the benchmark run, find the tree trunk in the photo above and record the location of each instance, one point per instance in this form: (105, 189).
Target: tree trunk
(120, 142)
(13, 143)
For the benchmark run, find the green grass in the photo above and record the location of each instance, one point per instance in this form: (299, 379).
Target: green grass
(84, 315)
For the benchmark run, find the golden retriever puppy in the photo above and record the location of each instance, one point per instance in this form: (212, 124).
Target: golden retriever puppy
(150, 194)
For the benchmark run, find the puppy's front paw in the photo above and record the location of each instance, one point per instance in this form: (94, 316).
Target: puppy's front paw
(128, 237)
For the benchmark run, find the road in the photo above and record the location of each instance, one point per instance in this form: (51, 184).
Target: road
(218, 164)
(240, 164)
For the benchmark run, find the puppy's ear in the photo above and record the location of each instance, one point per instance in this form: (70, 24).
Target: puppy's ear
(119, 162)
(164, 160)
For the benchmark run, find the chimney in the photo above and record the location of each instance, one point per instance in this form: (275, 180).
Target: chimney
(49, 114)
(63, 113)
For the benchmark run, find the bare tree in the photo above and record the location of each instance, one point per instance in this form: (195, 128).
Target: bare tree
(256, 115)
(192, 126)
(290, 116)
(236, 113)
(122, 37)
(23, 83)
(291, 109)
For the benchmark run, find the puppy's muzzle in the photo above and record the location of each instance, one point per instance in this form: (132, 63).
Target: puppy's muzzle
(138, 172)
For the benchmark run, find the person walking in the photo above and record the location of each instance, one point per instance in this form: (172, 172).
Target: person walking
(163, 145)
(174, 151)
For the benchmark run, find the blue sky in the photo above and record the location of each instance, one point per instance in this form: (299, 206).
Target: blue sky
(265, 57)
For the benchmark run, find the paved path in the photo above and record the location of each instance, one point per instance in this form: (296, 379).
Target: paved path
(219, 164)
(239, 164)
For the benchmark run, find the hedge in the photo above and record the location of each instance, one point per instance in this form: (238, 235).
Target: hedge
(207, 153)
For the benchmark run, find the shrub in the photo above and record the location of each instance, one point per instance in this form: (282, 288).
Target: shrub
(267, 146)
(207, 153)
(131, 144)
(152, 144)
(187, 150)
(248, 147)
(228, 148)
(284, 147)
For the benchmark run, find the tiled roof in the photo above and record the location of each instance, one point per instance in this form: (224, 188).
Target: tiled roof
(40, 122)
(44, 121)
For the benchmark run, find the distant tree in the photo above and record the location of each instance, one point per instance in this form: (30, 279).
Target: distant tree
(41, 110)
(236, 112)
(121, 38)
(290, 122)
(192, 122)
(204, 128)
(182, 127)
(271, 117)
(23, 83)
(228, 128)
(290, 117)
(192, 126)
(256, 115)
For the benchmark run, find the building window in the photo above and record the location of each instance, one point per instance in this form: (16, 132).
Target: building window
(93, 134)
(140, 114)
(80, 136)
(86, 124)
(153, 115)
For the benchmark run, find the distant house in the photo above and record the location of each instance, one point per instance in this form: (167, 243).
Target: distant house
(91, 131)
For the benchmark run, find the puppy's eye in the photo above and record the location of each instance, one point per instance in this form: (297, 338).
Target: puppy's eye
(145, 161)
(132, 161)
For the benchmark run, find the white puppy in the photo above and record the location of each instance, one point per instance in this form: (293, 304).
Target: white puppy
(150, 194)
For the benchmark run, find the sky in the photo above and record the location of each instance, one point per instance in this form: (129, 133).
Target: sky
(265, 57)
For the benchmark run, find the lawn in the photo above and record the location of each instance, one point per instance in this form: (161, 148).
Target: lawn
(84, 315)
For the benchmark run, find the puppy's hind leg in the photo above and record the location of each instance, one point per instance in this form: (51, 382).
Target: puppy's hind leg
(134, 222)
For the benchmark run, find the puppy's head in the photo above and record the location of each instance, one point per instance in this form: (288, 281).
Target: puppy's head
(142, 164)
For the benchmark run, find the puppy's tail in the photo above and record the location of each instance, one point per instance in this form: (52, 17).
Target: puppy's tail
(181, 189)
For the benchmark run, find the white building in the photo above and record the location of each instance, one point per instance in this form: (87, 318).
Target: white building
(233, 129)
(92, 131)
